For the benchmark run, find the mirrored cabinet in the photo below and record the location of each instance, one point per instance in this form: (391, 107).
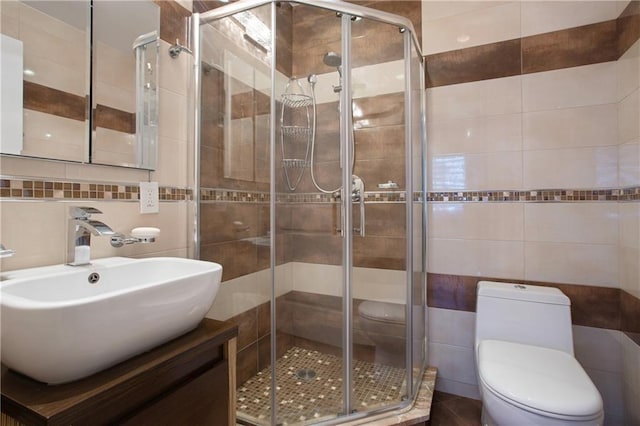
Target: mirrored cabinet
(79, 81)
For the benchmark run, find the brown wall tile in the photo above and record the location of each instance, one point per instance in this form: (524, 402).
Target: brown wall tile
(247, 323)
(114, 119)
(590, 306)
(495, 60)
(173, 22)
(588, 44)
(630, 309)
(52, 101)
(628, 27)
(247, 364)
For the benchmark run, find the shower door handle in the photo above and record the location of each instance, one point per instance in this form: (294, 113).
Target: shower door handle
(357, 194)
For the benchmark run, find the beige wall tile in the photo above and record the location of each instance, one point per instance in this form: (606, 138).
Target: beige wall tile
(36, 231)
(95, 172)
(628, 71)
(474, 135)
(476, 99)
(172, 115)
(572, 168)
(472, 28)
(572, 263)
(499, 259)
(173, 73)
(455, 363)
(565, 88)
(113, 147)
(434, 10)
(628, 121)
(172, 163)
(590, 223)
(47, 135)
(629, 164)
(56, 75)
(490, 171)
(452, 327)
(540, 17)
(629, 247)
(598, 348)
(17, 166)
(608, 384)
(476, 221)
(51, 219)
(572, 127)
(631, 378)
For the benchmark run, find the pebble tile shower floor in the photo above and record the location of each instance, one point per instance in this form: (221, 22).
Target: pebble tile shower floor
(316, 398)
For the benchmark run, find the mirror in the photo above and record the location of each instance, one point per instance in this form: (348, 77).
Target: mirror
(125, 78)
(45, 79)
(49, 94)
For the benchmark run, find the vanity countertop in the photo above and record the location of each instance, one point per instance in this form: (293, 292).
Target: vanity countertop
(126, 385)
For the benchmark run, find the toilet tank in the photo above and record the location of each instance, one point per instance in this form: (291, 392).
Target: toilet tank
(523, 313)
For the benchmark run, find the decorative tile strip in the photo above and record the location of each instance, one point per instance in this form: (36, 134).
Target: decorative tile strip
(36, 189)
(233, 195)
(543, 195)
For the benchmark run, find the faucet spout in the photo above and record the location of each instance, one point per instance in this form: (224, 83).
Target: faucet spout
(81, 227)
(95, 227)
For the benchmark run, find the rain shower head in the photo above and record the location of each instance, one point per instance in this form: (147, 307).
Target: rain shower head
(332, 59)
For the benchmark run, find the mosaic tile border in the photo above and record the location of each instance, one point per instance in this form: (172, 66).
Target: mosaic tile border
(543, 195)
(40, 189)
(37, 189)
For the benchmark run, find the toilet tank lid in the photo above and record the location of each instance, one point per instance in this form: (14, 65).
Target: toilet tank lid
(525, 292)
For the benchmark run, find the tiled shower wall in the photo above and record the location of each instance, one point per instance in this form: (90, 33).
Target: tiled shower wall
(529, 97)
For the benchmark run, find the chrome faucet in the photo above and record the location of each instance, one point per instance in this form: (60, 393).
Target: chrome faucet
(81, 226)
(5, 252)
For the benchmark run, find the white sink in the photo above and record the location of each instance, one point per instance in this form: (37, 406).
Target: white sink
(58, 327)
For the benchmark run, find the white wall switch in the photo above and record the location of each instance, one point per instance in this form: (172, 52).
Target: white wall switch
(149, 197)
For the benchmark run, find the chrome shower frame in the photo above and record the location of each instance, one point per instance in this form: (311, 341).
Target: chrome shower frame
(411, 44)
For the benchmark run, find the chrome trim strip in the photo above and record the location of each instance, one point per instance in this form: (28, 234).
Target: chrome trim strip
(408, 143)
(195, 27)
(272, 216)
(346, 133)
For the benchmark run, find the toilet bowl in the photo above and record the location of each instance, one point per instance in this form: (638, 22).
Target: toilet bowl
(384, 324)
(527, 374)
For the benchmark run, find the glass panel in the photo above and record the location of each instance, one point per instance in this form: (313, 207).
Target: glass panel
(235, 206)
(46, 45)
(419, 226)
(379, 284)
(309, 315)
(125, 78)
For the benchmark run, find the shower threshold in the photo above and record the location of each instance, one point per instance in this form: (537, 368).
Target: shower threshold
(309, 388)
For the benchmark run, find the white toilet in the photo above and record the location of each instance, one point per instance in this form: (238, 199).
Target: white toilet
(384, 325)
(527, 373)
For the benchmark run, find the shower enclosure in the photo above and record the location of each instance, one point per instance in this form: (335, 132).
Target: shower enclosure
(310, 191)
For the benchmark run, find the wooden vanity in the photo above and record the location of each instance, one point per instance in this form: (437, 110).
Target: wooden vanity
(187, 381)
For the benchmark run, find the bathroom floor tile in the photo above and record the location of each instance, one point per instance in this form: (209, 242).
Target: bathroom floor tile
(453, 410)
(319, 394)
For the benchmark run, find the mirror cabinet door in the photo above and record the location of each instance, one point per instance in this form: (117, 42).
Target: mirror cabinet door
(45, 79)
(125, 77)
(52, 105)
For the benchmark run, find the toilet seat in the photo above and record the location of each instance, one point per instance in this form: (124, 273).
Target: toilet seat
(383, 311)
(544, 381)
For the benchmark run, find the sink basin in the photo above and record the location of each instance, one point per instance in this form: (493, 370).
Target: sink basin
(58, 325)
